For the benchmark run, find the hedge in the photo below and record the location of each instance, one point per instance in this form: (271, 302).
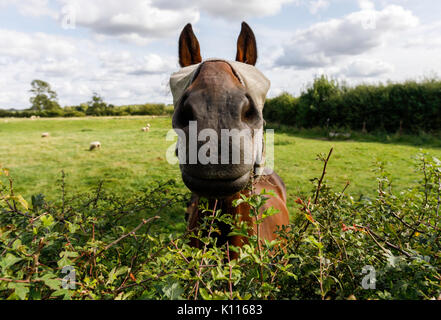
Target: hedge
(409, 107)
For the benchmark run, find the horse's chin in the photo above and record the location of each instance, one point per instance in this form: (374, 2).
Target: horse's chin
(216, 188)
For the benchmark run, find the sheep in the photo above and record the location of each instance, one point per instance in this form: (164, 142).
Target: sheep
(45, 134)
(94, 145)
(145, 129)
(33, 117)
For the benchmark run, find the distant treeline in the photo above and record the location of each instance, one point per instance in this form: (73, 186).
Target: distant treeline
(86, 110)
(409, 107)
(44, 103)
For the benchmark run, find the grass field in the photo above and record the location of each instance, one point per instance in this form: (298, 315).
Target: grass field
(130, 159)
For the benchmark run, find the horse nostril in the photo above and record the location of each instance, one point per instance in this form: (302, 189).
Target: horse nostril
(185, 115)
(188, 115)
(249, 113)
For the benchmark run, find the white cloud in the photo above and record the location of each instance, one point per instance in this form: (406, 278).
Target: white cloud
(367, 68)
(228, 9)
(33, 8)
(375, 43)
(324, 43)
(76, 68)
(51, 67)
(140, 21)
(130, 20)
(34, 45)
(317, 5)
(366, 5)
(125, 63)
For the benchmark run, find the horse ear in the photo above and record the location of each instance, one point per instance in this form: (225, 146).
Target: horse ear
(189, 51)
(246, 45)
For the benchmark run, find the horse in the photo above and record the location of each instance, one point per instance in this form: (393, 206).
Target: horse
(217, 95)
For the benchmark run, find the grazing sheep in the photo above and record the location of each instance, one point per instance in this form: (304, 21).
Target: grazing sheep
(45, 134)
(148, 125)
(94, 145)
(33, 117)
(145, 129)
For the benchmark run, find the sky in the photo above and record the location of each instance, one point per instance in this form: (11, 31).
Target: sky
(126, 50)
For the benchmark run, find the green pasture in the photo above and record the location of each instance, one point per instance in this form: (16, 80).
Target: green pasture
(131, 159)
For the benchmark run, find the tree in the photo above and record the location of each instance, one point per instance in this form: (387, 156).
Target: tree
(97, 106)
(44, 97)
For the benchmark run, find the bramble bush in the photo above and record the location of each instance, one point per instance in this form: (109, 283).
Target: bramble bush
(119, 248)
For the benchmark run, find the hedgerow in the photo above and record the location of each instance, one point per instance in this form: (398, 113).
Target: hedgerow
(337, 247)
(409, 107)
(158, 109)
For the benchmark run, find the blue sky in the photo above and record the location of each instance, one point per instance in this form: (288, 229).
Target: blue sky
(126, 50)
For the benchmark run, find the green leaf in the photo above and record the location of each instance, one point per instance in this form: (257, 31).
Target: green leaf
(173, 291)
(114, 273)
(8, 261)
(269, 212)
(312, 240)
(72, 227)
(51, 281)
(63, 292)
(65, 261)
(237, 202)
(47, 220)
(20, 289)
(21, 200)
(204, 294)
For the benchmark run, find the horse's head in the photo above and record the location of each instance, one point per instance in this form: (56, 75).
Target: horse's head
(218, 116)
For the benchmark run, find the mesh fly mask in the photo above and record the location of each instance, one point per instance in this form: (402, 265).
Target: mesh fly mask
(255, 83)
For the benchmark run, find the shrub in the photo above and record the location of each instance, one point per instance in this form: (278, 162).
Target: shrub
(409, 107)
(147, 109)
(74, 113)
(283, 107)
(120, 250)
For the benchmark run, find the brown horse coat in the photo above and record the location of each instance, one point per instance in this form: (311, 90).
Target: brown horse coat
(242, 212)
(216, 97)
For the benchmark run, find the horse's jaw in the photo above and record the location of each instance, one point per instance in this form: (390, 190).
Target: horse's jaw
(216, 188)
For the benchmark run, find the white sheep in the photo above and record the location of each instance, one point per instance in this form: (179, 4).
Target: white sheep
(45, 134)
(94, 145)
(145, 129)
